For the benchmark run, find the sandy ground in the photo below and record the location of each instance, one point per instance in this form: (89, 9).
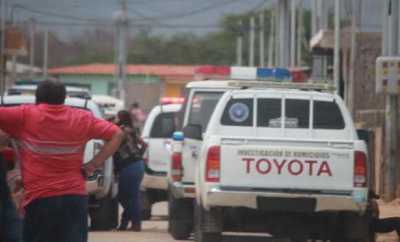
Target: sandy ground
(389, 210)
(156, 229)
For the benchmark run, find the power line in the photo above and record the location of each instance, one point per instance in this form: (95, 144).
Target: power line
(197, 11)
(162, 26)
(57, 15)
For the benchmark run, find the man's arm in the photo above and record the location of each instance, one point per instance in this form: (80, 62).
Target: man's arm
(11, 120)
(109, 148)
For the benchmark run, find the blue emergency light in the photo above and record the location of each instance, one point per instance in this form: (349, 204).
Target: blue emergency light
(254, 73)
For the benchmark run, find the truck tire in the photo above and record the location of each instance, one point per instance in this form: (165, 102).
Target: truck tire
(146, 205)
(206, 219)
(180, 219)
(104, 216)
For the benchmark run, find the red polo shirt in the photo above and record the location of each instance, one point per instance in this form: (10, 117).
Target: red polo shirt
(52, 139)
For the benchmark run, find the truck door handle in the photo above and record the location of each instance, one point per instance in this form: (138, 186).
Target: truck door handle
(195, 154)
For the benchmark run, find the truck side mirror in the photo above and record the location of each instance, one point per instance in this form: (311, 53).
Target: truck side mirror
(193, 131)
(363, 134)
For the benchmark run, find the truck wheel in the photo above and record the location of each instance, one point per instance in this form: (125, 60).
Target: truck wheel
(203, 220)
(146, 205)
(104, 216)
(180, 219)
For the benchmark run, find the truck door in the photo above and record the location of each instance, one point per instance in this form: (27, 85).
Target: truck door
(160, 142)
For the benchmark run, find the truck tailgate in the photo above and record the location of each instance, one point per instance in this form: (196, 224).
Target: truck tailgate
(282, 165)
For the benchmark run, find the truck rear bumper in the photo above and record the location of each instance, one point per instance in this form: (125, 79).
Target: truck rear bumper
(181, 190)
(155, 182)
(277, 201)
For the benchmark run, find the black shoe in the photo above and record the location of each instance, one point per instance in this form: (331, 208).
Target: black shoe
(136, 227)
(123, 227)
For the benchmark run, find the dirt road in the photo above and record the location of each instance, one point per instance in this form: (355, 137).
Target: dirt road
(156, 230)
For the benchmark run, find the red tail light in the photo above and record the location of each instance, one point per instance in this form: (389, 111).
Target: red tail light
(177, 168)
(213, 166)
(360, 169)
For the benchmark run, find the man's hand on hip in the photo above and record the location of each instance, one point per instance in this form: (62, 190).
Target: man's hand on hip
(108, 149)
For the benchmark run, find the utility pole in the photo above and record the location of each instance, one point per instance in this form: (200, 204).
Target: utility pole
(239, 44)
(45, 52)
(252, 40)
(284, 33)
(300, 34)
(391, 112)
(262, 47)
(3, 47)
(277, 36)
(121, 18)
(350, 83)
(271, 40)
(293, 33)
(336, 68)
(32, 45)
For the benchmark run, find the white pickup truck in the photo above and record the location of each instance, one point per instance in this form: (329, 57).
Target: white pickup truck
(201, 97)
(282, 161)
(157, 134)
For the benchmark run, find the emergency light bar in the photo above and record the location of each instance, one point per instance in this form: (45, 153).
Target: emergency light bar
(282, 85)
(171, 100)
(245, 73)
(254, 73)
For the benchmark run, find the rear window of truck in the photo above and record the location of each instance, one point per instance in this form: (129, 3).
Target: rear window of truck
(163, 126)
(202, 107)
(239, 112)
(269, 113)
(327, 115)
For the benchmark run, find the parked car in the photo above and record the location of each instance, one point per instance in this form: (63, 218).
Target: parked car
(102, 186)
(30, 90)
(157, 133)
(109, 105)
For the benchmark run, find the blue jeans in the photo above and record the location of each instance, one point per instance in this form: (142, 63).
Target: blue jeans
(130, 178)
(57, 219)
(11, 228)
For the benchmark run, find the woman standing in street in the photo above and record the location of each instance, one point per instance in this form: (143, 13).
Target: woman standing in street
(130, 169)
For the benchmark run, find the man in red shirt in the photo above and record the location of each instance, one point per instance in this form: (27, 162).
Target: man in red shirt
(52, 137)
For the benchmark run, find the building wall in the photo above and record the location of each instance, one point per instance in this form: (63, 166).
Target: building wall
(146, 94)
(98, 84)
(368, 105)
(104, 84)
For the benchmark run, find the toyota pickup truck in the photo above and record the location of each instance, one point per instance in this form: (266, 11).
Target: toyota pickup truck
(283, 161)
(200, 100)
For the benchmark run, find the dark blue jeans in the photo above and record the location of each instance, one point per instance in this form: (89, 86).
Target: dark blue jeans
(57, 219)
(11, 224)
(130, 178)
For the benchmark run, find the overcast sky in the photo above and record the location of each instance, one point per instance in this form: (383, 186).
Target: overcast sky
(166, 16)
